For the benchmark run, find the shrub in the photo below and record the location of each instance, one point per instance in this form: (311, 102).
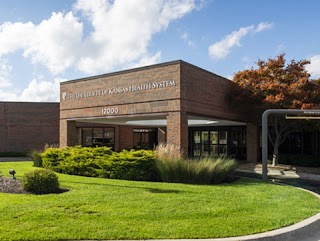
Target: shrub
(41, 181)
(195, 171)
(101, 162)
(36, 158)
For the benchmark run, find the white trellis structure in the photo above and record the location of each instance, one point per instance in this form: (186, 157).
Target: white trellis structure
(296, 114)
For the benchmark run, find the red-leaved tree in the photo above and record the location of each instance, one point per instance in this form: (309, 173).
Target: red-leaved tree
(275, 84)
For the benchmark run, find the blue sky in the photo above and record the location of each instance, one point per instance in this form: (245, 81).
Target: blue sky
(45, 42)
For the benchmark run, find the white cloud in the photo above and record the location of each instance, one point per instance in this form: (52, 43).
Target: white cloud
(15, 36)
(147, 60)
(314, 67)
(36, 91)
(54, 43)
(5, 72)
(122, 32)
(120, 36)
(46, 91)
(222, 48)
(263, 26)
(185, 37)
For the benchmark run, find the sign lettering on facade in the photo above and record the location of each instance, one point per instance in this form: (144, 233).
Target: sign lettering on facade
(119, 90)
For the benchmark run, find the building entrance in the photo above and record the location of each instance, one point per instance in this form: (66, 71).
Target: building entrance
(218, 141)
(145, 138)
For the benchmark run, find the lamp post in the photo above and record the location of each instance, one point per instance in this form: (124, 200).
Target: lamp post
(12, 172)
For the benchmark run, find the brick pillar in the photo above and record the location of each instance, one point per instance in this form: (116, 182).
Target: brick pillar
(125, 137)
(116, 139)
(177, 130)
(68, 133)
(253, 143)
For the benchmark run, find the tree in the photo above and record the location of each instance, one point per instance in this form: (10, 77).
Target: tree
(275, 84)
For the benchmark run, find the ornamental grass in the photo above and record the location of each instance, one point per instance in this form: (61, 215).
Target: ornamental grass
(172, 167)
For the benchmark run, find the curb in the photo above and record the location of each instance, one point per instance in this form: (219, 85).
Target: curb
(296, 232)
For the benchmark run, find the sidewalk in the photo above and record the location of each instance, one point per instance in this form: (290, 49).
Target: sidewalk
(284, 175)
(14, 159)
(283, 171)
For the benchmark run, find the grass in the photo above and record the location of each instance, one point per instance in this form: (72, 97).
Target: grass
(96, 208)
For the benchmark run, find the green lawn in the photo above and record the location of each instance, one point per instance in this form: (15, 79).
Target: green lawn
(114, 209)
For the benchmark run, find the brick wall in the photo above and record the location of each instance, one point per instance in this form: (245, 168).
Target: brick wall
(208, 94)
(135, 94)
(151, 98)
(28, 126)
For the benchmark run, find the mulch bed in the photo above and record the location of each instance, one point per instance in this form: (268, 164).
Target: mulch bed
(9, 185)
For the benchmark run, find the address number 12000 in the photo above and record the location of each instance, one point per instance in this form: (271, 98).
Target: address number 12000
(109, 111)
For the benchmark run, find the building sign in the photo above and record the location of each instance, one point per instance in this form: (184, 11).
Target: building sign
(119, 90)
(110, 111)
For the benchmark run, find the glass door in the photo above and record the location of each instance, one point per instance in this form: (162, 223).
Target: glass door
(205, 143)
(214, 144)
(197, 143)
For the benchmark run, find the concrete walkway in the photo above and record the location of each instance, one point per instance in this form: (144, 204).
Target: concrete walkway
(14, 159)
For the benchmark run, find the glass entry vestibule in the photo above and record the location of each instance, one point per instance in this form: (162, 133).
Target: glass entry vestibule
(218, 141)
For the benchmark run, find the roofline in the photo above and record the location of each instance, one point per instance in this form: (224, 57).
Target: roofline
(202, 69)
(174, 62)
(124, 71)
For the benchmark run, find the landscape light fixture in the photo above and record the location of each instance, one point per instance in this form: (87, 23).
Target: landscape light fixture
(12, 172)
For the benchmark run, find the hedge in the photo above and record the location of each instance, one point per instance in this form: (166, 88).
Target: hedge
(138, 165)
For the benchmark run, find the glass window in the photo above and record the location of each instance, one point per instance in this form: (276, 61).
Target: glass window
(205, 137)
(214, 137)
(223, 137)
(196, 137)
(98, 137)
(205, 143)
(223, 150)
(214, 150)
(87, 136)
(196, 150)
(109, 137)
(197, 143)
(145, 138)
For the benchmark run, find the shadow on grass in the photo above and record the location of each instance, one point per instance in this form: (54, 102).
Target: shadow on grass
(151, 190)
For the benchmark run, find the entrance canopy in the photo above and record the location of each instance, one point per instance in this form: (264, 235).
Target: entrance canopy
(290, 114)
(155, 121)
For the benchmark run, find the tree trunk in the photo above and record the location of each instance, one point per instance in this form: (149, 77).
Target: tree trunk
(277, 135)
(275, 156)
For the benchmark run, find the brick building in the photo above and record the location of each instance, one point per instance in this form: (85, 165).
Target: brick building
(27, 126)
(173, 102)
